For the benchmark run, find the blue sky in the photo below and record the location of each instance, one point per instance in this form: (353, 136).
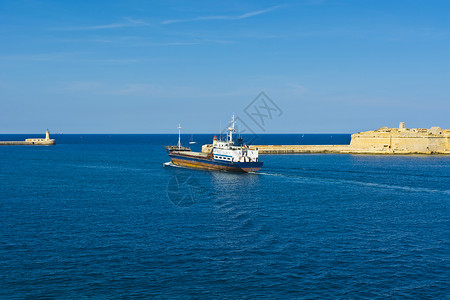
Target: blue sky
(145, 66)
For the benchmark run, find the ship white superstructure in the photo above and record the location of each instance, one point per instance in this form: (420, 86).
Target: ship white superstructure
(228, 151)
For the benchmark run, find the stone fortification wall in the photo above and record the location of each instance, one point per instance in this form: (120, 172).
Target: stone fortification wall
(382, 141)
(402, 140)
(447, 139)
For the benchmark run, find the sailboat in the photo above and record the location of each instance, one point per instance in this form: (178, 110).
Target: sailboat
(191, 141)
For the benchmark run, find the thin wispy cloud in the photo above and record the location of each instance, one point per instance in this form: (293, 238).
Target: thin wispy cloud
(229, 18)
(185, 43)
(56, 56)
(71, 57)
(129, 22)
(151, 89)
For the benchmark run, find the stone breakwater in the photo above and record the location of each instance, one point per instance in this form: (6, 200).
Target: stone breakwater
(15, 143)
(46, 141)
(382, 141)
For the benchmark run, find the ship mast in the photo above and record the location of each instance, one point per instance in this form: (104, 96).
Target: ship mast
(231, 130)
(179, 136)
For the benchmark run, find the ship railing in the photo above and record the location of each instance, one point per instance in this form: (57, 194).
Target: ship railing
(177, 148)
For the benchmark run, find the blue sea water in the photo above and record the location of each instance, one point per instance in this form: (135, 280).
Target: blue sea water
(100, 216)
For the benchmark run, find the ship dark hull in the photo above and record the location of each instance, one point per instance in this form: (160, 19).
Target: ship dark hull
(210, 164)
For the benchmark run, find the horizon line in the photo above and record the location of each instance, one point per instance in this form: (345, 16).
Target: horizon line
(61, 133)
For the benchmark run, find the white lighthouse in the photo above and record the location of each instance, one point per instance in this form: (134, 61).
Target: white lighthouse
(47, 135)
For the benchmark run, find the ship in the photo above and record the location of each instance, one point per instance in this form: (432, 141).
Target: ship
(225, 155)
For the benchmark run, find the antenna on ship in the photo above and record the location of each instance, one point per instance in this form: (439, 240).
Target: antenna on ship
(179, 136)
(230, 130)
(240, 140)
(238, 129)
